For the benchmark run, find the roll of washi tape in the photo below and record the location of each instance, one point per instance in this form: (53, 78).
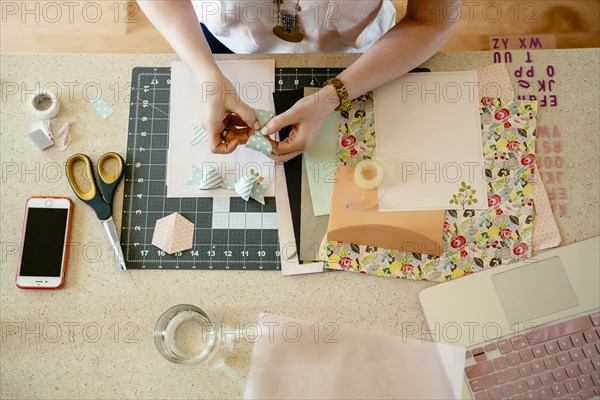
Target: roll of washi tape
(368, 174)
(43, 105)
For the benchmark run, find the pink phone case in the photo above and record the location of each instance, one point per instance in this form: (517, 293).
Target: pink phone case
(66, 250)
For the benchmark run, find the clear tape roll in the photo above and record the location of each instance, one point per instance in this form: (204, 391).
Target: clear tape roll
(43, 105)
(368, 174)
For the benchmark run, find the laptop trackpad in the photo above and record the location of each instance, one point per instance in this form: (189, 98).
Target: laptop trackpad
(534, 290)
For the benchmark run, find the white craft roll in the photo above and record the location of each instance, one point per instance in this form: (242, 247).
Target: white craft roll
(34, 105)
(368, 174)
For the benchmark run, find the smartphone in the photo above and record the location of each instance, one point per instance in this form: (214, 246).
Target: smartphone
(44, 243)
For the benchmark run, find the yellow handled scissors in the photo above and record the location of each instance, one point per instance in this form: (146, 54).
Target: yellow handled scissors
(100, 199)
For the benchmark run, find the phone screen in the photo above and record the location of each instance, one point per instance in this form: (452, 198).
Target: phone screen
(44, 242)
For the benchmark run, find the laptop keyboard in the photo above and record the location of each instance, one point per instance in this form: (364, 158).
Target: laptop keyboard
(555, 361)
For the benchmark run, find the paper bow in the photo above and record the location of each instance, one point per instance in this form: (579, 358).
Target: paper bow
(247, 187)
(263, 116)
(196, 178)
(257, 141)
(200, 134)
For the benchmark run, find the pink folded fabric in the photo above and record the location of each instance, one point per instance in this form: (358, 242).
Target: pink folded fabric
(545, 230)
(297, 359)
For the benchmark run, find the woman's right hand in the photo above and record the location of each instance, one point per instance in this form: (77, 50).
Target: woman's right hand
(222, 106)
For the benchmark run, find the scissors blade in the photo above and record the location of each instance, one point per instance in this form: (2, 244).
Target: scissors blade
(111, 232)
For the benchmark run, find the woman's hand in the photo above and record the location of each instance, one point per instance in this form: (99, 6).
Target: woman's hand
(306, 118)
(221, 107)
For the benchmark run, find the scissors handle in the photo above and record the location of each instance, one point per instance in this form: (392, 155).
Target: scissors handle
(92, 197)
(109, 178)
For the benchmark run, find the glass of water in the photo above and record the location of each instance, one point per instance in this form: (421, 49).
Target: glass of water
(185, 334)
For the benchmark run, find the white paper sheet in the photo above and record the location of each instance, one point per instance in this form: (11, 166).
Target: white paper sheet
(428, 133)
(255, 83)
(291, 361)
(290, 264)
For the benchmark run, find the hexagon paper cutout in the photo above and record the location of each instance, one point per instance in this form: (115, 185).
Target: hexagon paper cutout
(173, 233)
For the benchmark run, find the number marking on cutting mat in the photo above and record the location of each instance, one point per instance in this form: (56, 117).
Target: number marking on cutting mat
(229, 232)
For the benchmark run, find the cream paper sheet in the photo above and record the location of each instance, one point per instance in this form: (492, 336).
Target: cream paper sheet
(429, 137)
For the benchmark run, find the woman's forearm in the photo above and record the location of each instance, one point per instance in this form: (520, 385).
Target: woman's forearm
(179, 25)
(404, 47)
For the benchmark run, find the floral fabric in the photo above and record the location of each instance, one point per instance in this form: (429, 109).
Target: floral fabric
(356, 140)
(472, 239)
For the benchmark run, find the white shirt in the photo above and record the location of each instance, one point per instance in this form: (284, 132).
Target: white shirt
(246, 26)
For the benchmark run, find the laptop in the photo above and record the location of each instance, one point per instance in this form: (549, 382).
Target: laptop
(531, 329)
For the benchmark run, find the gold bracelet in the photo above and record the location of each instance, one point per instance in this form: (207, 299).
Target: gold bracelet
(341, 91)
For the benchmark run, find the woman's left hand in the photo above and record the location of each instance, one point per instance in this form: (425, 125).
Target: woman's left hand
(306, 118)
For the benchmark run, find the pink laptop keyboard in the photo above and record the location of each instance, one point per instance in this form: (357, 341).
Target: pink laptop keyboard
(556, 361)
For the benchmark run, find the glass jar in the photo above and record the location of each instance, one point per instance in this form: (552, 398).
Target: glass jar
(185, 334)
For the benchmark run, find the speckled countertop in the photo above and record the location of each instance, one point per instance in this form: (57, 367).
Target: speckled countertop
(93, 338)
